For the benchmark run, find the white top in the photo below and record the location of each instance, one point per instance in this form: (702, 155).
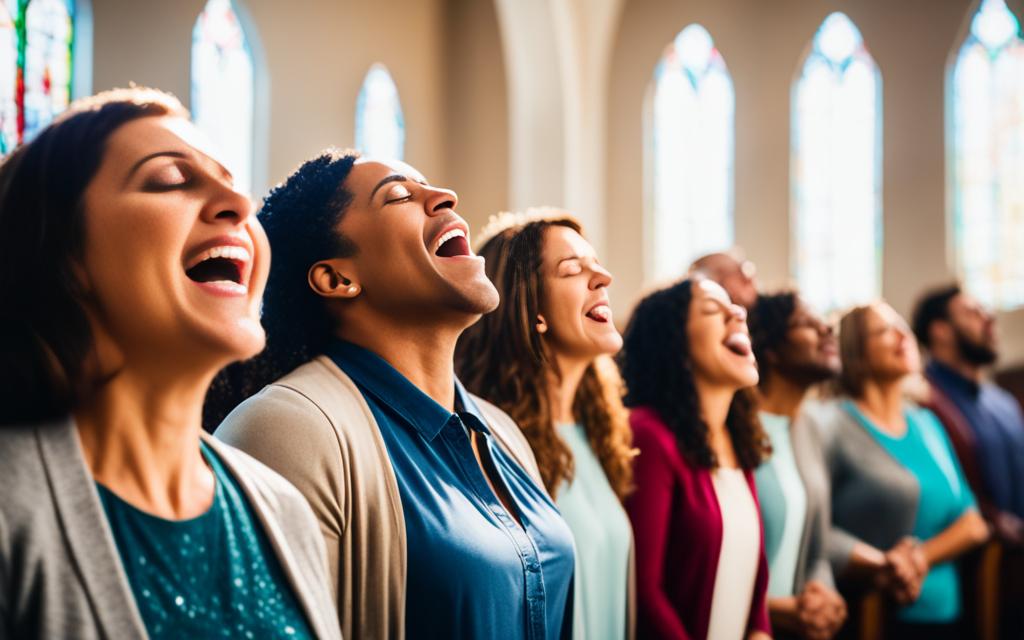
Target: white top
(782, 565)
(737, 561)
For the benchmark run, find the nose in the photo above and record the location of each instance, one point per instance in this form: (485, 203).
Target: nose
(440, 201)
(601, 279)
(227, 204)
(737, 313)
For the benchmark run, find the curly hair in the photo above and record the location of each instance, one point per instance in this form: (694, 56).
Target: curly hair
(769, 327)
(504, 359)
(658, 372)
(46, 339)
(301, 218)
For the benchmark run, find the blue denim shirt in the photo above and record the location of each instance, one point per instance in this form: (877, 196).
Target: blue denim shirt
(473, 571)
(998, 425)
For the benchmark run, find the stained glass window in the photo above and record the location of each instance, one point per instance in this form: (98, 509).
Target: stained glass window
(36, 37)
(691, 148)
(222, 87)
(836, 169)
(380, 127)
(8, 78)
(987, 95)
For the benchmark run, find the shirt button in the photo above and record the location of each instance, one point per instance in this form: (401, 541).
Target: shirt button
(533, 567)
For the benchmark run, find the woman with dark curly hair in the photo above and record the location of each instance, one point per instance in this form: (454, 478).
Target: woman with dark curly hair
(701, 567)
(542, 357)
(795, 350)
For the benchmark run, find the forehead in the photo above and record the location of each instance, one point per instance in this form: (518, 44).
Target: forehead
(704, 288)
(150, 134)
(964, 301)
(562, 242)
(367, 172)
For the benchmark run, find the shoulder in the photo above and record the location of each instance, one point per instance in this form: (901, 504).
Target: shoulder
(316, 400)
(24, 471)
(509, 435)
(279, 494)
(647, 424)
(1002, 397)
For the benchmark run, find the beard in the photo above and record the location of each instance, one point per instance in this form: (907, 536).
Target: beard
(975, 352)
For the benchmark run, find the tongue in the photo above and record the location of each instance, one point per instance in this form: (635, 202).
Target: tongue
(456, 246)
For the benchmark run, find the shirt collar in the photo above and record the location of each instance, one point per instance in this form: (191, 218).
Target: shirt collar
(950, 378)
(375, 376)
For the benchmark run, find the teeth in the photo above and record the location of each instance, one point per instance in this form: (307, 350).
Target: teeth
(448, 235)
(601, 312)
(230, 252)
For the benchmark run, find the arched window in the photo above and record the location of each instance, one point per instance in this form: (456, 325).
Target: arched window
(987, 168)
(35, 66)
(836, 168)
(223, 92)
(380, 127)
(690, 150)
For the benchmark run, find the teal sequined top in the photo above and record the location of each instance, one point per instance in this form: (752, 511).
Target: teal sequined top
(213, 576)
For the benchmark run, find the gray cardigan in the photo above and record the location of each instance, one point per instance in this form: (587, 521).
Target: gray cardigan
(60, 573)
(874, 497)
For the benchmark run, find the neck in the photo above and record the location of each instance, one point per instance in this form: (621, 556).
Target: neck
(714, 405)
(964, 368)
(782, 396)
(562, 388)
(883, 400)
(423, 353)
(140, 438)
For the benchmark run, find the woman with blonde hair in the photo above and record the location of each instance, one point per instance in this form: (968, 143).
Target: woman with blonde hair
(896, 483)
(542, 357)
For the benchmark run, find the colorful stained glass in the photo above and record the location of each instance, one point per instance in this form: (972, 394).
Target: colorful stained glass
(380, 127)
(222, 87)
(836, 169)
(691, 148)
(987, 168)
(47, 62)
(8, 79)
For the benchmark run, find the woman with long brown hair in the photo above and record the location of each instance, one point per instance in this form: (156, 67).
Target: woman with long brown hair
(701, 567)
(542, 357)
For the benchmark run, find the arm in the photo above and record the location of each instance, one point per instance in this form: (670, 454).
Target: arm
(967, 532)
(649, 510)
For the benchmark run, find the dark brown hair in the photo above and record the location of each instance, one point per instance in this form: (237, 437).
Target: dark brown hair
(658, 372)
(45, 337)
(504, 359)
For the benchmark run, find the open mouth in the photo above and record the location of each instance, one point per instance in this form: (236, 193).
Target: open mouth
(452, 244)
(739, 343)
(223, 265)
(601, 313)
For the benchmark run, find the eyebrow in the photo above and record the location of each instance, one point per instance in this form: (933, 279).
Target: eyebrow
(158, 154)
(395, 177)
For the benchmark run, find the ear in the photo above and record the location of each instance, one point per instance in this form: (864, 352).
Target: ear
(542, 324)
(326, 278)
(941, 331)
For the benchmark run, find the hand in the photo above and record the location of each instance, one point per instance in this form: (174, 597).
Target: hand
(820, 611)
(904, 571)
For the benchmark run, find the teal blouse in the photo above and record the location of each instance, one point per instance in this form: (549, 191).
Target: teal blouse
(783, 500)
(213, 576)
(603, 540)
(945, 496)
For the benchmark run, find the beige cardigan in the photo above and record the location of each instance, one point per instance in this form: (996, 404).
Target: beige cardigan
(314, 428)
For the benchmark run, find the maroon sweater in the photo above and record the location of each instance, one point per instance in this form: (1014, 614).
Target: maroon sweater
(677, 525)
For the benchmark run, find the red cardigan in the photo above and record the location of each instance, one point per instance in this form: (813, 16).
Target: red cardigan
(677, 525)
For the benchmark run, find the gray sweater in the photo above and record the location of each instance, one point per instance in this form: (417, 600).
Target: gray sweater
(60, 573)
(874, 497)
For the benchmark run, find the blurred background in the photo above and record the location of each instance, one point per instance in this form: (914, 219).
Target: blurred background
(857, 149)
